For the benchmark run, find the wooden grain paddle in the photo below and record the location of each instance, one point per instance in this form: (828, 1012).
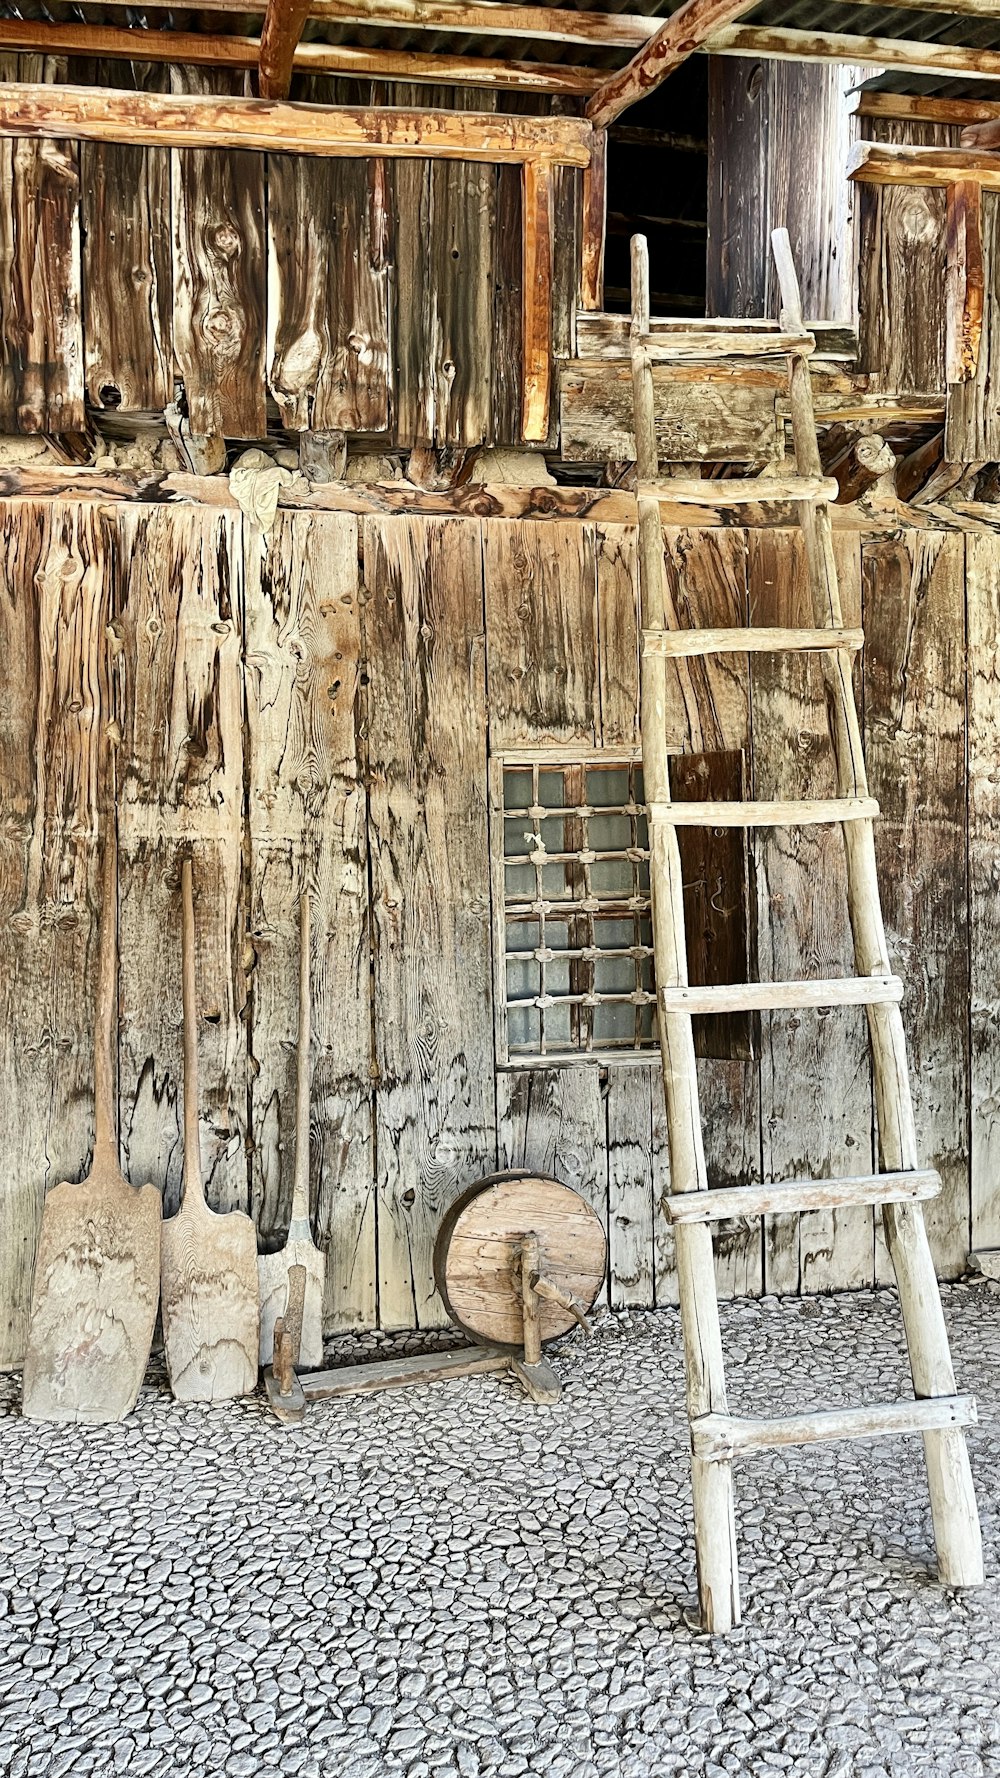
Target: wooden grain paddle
(300, 1249)
(208, 1260)
(97, 1273)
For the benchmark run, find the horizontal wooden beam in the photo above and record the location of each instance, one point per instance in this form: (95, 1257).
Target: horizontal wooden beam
(97, 114)
(891, 163)
(786, 1197)
(813, 812)
(684, 32)
(675, 645)
(118, 43)
(903, 107)
(770, 43)
(465, 18)
(783, 996)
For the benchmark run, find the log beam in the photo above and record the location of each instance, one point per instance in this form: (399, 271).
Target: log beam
(159, 120)
(279, 37)
(684, 32)
(772, 43)
(892, 163)
(276, 57)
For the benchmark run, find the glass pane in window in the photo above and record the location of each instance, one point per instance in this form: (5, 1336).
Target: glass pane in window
(517, 787)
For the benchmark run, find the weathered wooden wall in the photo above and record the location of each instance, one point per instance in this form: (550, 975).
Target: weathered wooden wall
(371, 297)
(323, 701)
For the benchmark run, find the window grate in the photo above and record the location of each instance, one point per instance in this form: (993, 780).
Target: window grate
(576, 939)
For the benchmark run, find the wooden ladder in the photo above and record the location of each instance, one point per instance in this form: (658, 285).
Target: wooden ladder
(938, 1413)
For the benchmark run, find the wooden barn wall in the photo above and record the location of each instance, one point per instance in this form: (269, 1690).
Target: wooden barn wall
(377, 298)
(320, 705)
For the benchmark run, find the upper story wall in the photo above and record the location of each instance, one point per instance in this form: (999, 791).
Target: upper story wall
(374, 297)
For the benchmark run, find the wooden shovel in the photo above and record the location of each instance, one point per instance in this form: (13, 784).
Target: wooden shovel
(97, 1274)
(208, 1269)
(300, 1248)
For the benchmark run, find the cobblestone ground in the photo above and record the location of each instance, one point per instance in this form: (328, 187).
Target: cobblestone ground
(449, 1582)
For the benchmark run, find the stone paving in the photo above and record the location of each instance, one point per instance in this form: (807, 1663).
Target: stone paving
(448, 1582)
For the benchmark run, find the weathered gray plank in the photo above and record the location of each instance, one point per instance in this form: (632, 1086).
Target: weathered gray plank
(219, 261)
(901, 255)
(702, 414)
(541, 615)
(617, 634)
(982, 572)
(552, 1121)
(54, 707)
(128, 344)
(972, 422)
(41, 330)
(306, 818)
(329, 323)
(178, 623)
(435, 1099)
(815, 1085)
(914, 620)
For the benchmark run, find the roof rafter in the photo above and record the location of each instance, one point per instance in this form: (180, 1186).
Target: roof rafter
(279, 36)
(684, 32)
(772, 43)
(132, 43)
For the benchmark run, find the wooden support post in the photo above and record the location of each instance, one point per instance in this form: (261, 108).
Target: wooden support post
(536, 228)
(965, 283)
(280, 33)
(595, 214)
(529, 1301)
(712, 1483)
(953, 1502)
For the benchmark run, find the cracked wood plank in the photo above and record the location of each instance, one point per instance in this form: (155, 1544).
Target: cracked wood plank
(435, 1096)
(219, 261)
(306, 818)
(41, 331)
(53, 791)
(128, 344)
(178, 622)
(815, 1070)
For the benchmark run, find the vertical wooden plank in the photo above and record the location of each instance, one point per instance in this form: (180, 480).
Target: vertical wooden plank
(914, 619)
(41, 332)
(306, 822)
(128, 345)
(435, 1097)
(445, 215)
(738, 126)
(328, 276)
(902, 272)
(815, 1075)
(508, 355)
(594, 224)
(708, 714)
(972, 426)
(541, 615)
(219, 272)
(618, 634)
(982, 579)
(536, 297)
(553, 1119)
(178, 625)
(632, 1209)
(54, 708)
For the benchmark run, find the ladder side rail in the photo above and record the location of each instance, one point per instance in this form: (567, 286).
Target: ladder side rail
(953, 1503)
(712, 1483)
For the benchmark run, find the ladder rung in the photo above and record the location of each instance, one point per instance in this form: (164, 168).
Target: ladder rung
(716, 1438)
(814, 813)
(676, 644)
(747, 490)
(786, 1196)
(849, 990)
(704, 344)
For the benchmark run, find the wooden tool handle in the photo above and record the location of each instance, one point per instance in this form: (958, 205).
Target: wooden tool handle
(300, 1180)
(192, 1140)
(105, 1139)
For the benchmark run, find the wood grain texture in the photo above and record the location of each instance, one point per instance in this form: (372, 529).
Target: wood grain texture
(329, 228)
(54, 584)
(307, 808)
(552, 1121)
(983, 717)
(541, 616)
(914, 616)
(972, 425)
(633, 1213)
(41, 330)
(128, 322)
(701, 415)
(902, 259)
(209, 1300)
(815, 1076)
(177, 628)
(442, 326)
(219, 271)
(435, 1098)
(617, 634)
